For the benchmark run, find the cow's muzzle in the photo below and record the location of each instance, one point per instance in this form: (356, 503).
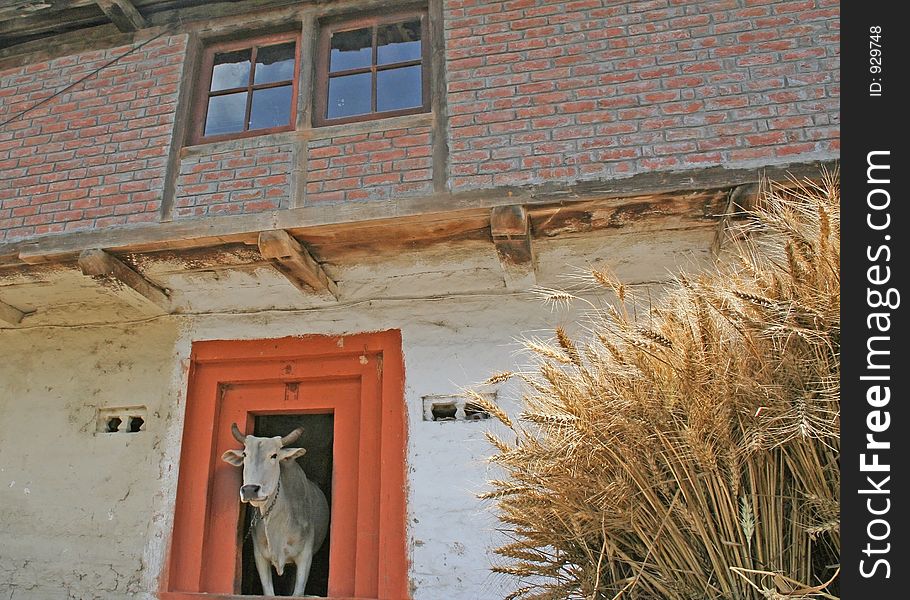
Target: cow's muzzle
(249, 493)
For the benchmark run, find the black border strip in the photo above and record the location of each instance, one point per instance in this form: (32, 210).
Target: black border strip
(874, 419)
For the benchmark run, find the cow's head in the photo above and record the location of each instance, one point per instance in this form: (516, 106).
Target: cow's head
(261, 460)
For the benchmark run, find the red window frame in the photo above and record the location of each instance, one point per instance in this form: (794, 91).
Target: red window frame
(323, 54)
(368, 552)
(203, 92)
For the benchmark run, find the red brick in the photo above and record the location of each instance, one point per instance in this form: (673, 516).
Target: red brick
(24, 211)
(752, 153)
(794, 149)
(703, 67)
(658, 97)
(45, 229)
(677, 108)
(764, 139)
(273, 180)
(380, 179)
(38, 219)
(317, 198)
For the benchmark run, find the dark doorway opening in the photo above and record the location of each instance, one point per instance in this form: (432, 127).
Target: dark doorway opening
(317, 438)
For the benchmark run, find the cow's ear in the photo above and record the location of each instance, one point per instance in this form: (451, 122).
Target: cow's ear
(291, 453)
(234, 457)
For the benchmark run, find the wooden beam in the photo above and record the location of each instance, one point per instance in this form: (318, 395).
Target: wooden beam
(50, 22)
(392, 213)
(123, 14)
(10, 314)
(140, 292)
(17, 9)
(296, 263)
(511, 231)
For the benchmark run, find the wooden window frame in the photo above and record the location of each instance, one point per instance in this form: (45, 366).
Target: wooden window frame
(323, 55)
(369, 534)
(203, 91)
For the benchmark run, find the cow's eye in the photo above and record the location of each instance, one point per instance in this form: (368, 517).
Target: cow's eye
(275, 455)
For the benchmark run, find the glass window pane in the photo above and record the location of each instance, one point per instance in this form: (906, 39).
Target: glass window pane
(231, 70)
(225, 114)
(349, 95)
(274, 63)
(399, 42)
(351, 50)
(399, 88)
(271, 107)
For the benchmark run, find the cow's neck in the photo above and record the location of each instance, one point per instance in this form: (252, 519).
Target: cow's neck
(277, 512)
(266, 509)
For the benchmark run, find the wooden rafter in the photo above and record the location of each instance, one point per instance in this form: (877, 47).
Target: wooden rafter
(123, 14)
(141, 292)
(510, 227)
(296, 263)
(10, 314)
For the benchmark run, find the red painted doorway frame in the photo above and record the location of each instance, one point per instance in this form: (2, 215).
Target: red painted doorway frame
(368, 548)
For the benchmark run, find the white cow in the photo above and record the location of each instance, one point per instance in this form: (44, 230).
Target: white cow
(293, 512)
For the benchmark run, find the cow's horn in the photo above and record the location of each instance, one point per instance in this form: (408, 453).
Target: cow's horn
(292, 437)
(237, 435)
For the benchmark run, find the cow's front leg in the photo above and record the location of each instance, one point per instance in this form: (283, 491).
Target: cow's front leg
(264, 568)
(304, 561)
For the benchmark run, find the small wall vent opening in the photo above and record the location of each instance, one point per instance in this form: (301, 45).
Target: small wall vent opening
(454, 407)
(121, 419)
(474, 412)
(444, 411)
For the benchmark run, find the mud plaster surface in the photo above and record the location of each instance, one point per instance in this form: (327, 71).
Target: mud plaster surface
(91, 512)
(89, 515)
(78, 504)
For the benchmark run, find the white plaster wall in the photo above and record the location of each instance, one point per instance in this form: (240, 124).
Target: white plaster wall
(76, 504)
(89, 514)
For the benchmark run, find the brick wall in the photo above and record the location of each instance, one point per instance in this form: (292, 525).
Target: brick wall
(538, 91)
(370, 166)
(585, 89)
(95, 154)
(253, 177)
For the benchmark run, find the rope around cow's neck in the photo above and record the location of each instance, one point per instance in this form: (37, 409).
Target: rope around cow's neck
(259, 516)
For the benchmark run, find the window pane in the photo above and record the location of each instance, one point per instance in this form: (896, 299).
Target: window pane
(399, 88)
(398, 43)
(231, 70)
(271, 107)
(225, 114)
(274, 63)
(349, 95)
(351, 50)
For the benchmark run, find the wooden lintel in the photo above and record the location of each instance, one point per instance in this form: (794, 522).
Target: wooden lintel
(510, 228)
(295, 262)
(123, 14)
(10, 314)
(99, 264)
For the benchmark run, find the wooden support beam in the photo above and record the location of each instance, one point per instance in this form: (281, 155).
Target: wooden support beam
(139, 291)
(742, 198)
(10, 314)
(123, 14)
(511, 231)
(296, 263)
(342, 219)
